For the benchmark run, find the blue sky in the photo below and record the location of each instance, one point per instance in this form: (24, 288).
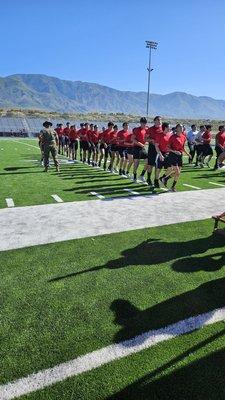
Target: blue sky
(104, 42)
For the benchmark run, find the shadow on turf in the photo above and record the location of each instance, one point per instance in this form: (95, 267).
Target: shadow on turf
(133, 322)
(202, 379)
(154, 251)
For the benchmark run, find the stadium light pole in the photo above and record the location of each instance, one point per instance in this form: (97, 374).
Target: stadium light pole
(149, 45)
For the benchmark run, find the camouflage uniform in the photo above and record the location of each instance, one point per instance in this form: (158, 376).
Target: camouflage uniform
(49, 141)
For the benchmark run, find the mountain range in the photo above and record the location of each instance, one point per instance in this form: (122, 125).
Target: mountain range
(43, 92)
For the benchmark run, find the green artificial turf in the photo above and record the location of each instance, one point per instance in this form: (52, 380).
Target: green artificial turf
(23, 180)
(59, 301)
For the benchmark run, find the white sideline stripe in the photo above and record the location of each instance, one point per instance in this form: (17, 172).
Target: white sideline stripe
(95, 359)
(57, 198)
(217, 184)
(97, 195)
(26, 144)
(131, 191)
(193, 187)
(10, 202)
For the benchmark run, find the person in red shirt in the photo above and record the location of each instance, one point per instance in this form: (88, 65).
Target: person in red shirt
(73, 143)
(122, 148)
(91, 130)
(78, 134)
(66, 133)
(129, 151)
(105, 138)
(94, 142)
(152, 133)
(220, 145)
(176, 148)
(84, 140)
(59, 129)
(139, 141)
(207, 150)
(113, 142)
(162, 148)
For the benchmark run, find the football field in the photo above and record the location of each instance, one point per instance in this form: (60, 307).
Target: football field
(135, 314)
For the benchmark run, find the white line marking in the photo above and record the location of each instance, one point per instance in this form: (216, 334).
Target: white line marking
(217, 184)
(57, 198)
(10, 202)
(26, 144)
(131, 191)
(191, 186)
(97, 195)
(48, 377)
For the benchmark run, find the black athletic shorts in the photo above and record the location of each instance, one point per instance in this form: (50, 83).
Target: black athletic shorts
(207, 150)
(152, 153)
(162, 164)
(199, 149)
(121, 150)
(85, 145)
(139, 153)
(130, 151)
(114, 147)
(73, 144)
(218, 151)
(66, 141)
(174, 160)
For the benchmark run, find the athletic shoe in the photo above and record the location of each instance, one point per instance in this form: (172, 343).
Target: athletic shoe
(116, 170)
(173, 189)
(124, 176)
(142, 179)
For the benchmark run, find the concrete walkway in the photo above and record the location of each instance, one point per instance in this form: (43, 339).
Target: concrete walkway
(35, 225)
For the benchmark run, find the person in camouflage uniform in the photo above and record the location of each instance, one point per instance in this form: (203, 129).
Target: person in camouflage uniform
(49, 140)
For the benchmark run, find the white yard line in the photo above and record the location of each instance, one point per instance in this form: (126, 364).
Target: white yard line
(10, 202)
(131, 191)
(191, 186)
(99, 196)
(57, 198)
(97, 358)
(216, 184)
(25, 144)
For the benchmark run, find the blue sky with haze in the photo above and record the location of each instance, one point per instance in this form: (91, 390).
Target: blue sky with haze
(104, 42)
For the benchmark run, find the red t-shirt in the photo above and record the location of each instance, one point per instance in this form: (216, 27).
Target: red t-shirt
(220, 139)
(140, 135)
(83, 133)
(66, 131)
(162, 139)
(106, 136)
(73, 134)
(113, 137)
(129, 140)
(94, 136)
(153, 131)
(176, 142)
(60, 131)
(207, 136)
(122, 137)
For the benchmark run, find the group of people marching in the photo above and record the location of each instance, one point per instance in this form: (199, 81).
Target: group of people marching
(119, 150)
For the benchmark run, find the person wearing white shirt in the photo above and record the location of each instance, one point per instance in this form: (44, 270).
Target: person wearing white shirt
(199, 146)
(191, 142)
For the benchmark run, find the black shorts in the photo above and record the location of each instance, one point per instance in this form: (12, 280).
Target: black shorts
(199, 149)
(85, 145)
(162, 164)
(73, 144)
(174, 160)
(207, 150)
(121, 150)
(152, 153)
(66, 142)
(130, 151)
(139, 153)
(62, 140)
(114, 147)
(218, 151)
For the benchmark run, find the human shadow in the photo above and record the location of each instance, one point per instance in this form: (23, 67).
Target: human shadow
(202, 379)
(134, 322)
(208, 263)
(153, 252)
